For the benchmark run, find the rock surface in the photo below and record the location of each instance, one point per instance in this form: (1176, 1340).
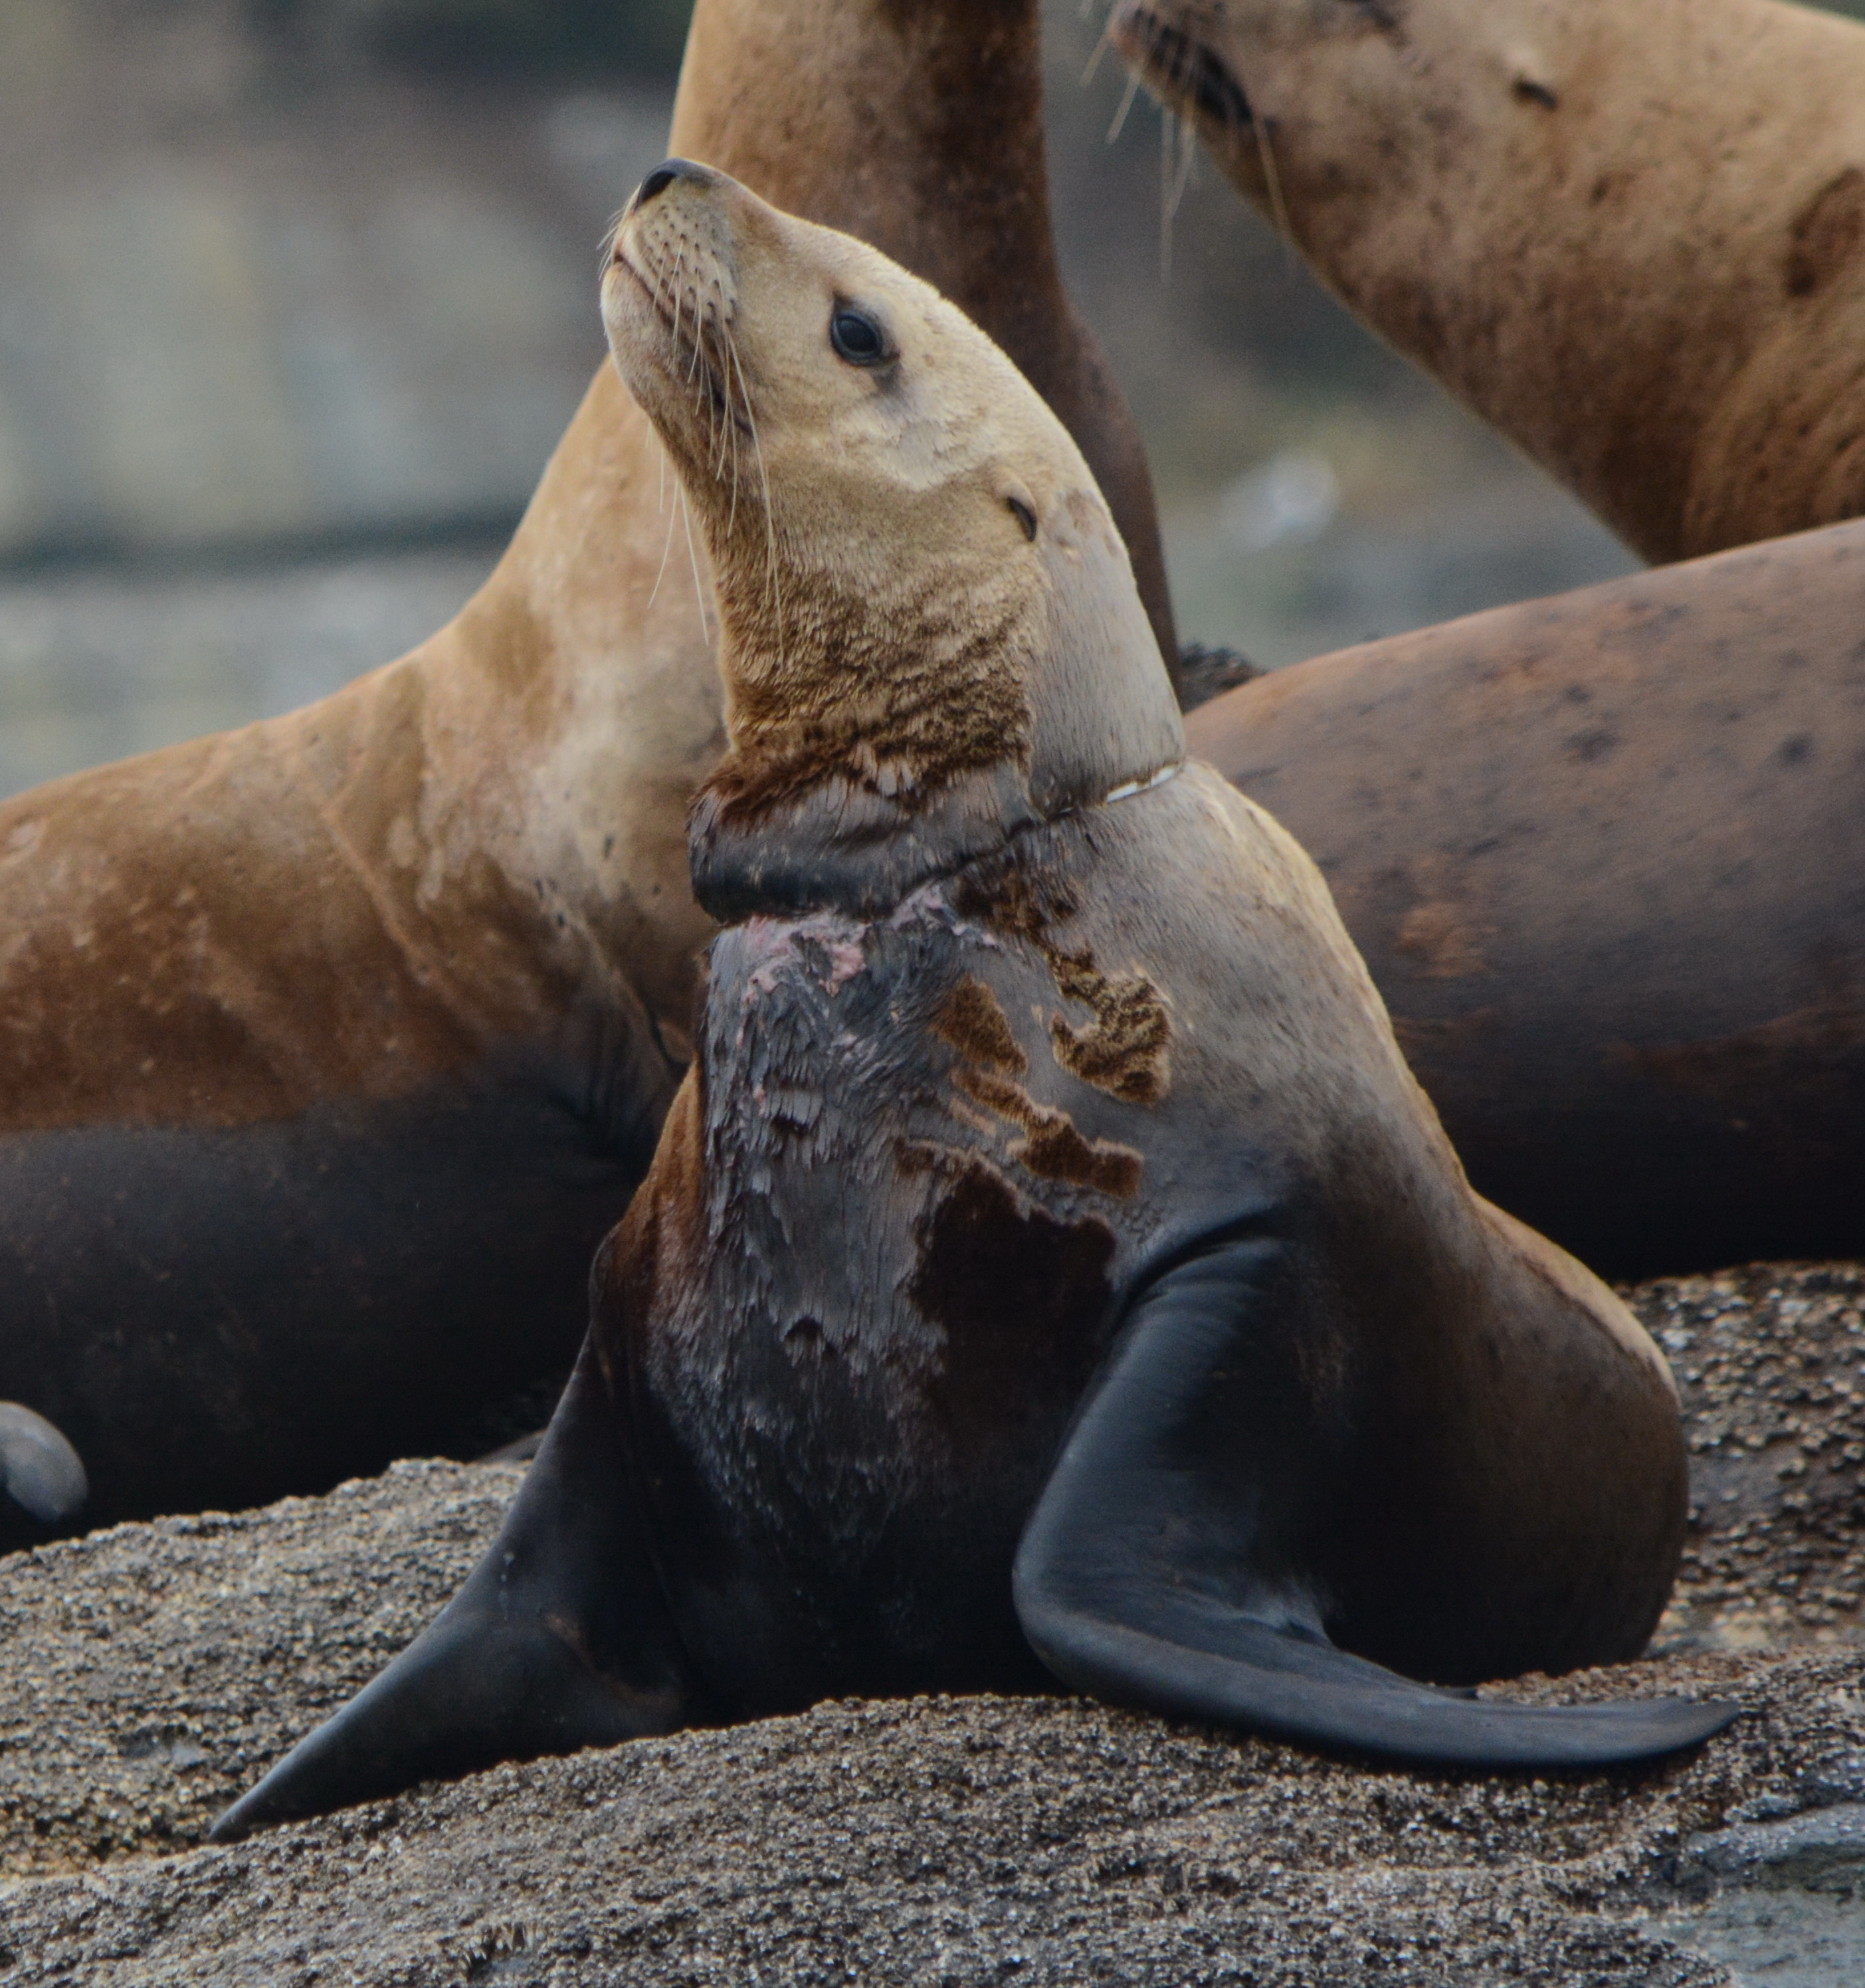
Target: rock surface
(1770, 1362)
(151, 1671)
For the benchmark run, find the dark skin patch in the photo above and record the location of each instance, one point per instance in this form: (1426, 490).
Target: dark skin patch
(804, 1339)
(1589, 746)
(1018, 1294)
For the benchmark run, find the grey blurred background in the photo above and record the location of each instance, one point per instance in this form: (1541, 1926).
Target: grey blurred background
(296, 296)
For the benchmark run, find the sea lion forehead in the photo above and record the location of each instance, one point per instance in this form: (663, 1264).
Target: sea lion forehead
(817, 328)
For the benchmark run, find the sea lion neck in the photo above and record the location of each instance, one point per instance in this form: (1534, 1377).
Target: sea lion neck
(917, 126)
(874, 742)
(930, 634)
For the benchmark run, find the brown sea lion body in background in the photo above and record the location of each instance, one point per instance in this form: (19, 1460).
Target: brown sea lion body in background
(1035, 1074)
(329, 1047)
(1604, 856)
(1631, 236)
(1602, 853)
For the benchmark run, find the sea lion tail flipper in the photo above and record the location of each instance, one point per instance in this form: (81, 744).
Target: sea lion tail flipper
(1150, 1573)
(40, 1473)
(558, 1639)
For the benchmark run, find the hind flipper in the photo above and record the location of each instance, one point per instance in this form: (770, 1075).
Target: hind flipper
(558, 1639)
(1157, 1569)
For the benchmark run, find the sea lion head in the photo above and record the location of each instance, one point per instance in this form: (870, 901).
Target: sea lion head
(931, 635)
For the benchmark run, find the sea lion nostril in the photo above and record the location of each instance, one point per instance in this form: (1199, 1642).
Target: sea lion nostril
(664, 176)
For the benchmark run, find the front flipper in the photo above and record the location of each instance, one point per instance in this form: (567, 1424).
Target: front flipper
(559, 1639)
(1161, 1566)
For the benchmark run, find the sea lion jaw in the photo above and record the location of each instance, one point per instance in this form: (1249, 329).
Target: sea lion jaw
(828, 412)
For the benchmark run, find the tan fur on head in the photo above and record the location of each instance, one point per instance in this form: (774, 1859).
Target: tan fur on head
(917, 577)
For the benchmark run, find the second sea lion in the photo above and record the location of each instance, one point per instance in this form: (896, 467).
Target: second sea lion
(330, 1048)
(1602, 854)
(1632, 237)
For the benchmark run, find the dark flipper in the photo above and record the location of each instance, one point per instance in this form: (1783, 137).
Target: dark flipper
(1161, 1566)
(559, 1639)
(42, 1475)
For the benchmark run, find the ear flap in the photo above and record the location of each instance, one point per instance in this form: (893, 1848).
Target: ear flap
(559, 1639)
(1161, 1566)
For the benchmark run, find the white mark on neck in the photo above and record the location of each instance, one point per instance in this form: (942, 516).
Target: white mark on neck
(1126, 791)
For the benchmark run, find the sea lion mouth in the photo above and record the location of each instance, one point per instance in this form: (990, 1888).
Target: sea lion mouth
(701, 357)
(1181, 67)
(656, 301)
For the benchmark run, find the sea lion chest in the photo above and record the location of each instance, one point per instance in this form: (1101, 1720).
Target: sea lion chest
(920, 1163)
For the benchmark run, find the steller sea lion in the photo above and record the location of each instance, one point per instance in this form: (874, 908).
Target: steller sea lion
(1036, 1083)
(330, 1048)
(1632, 237)
(1603, 855)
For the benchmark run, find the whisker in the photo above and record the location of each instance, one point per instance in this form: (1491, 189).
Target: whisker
(1102, 44)
(1277, 212)
(1187, 157)
(732, 361)
(671, 282)
(1167, 121)
(667, 546)
(693, 560)
(770, 529)
(1127, 104)
(698, 326)
(722, 424)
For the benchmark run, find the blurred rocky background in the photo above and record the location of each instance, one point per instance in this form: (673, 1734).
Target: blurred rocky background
(295, 296)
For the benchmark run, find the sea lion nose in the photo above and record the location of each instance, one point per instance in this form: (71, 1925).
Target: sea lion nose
(663, 177)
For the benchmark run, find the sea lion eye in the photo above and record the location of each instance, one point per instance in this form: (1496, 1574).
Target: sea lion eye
(856, 337)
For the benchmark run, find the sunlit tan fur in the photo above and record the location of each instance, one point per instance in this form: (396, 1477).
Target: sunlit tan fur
(485, 841)
(1632, 236)
(890, 615)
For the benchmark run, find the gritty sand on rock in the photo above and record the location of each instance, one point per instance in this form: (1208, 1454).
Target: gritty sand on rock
(1770, 1362)
(151, 1671)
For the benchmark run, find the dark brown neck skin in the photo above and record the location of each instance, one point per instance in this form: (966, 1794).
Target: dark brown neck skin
(918, 126)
